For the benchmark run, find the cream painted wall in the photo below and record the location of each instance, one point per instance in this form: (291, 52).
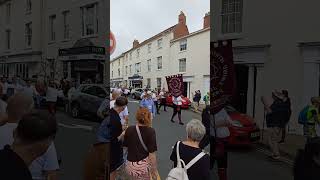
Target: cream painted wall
(280, 25)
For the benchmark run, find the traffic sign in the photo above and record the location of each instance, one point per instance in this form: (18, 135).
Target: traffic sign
(112, 43)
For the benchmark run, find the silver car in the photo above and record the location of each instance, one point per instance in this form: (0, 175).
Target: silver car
(87, 98)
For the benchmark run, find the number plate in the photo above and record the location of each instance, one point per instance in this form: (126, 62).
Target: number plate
(255, 134)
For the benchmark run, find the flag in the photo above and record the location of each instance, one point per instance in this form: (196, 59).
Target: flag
(222, 75)
(175, 85)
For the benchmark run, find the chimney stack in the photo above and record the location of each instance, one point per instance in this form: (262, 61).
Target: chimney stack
(206, 21)
(135, 43)
(182, 18)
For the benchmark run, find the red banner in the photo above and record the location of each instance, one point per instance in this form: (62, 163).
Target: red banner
(222, 80)
(175, 85)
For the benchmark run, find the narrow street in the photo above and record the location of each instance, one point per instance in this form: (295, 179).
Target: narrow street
(76, 135)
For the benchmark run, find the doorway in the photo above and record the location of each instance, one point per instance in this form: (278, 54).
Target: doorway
(185, 89)
(242, 75)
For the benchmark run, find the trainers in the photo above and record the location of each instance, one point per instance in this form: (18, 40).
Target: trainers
(172, 121)
(181, 123)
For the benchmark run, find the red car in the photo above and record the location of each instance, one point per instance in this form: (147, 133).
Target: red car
(186, 103)
(243, 130)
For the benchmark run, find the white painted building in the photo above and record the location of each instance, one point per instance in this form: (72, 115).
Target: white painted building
(53, 38)
(275, 48)
(172, 51)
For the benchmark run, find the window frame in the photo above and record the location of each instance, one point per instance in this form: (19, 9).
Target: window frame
(159, 43)
(66, 24)
(231, 16)
(28, 34)
(52, 29)
(183, 45)
(8, 13)
(28, 6)
(8, 39)
(185, 65)
(159, 78)
(149, 47)
(159, 58)
(149, 66)
(84, 20)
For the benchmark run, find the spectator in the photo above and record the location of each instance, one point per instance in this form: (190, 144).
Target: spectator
(307, 162)
(155, 99)
(19, 105)
(141, 152)
(148, 103)
(4, 83)
(206, 122)
(52, 97)
(287, 105)
(206, 99)
(29, 90)
(3, 104)
(196, 100)
(189, 149)
(117, 135)
(312, 119)
(32, 138)
(275, 115)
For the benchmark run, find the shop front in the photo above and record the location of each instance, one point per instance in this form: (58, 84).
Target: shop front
(84, 62)
(135, 81)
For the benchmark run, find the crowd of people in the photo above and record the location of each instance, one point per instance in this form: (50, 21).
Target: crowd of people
(133, 144)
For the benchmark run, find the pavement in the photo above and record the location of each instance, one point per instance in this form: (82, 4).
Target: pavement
(76, 135)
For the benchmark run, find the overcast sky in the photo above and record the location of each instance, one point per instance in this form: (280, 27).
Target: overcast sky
(142, 19)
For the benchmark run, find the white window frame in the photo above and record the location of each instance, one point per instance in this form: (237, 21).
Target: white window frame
(28, 34)
(159, 85)
(181, 68)
(231, 16)
(130, 55)
(159, 43)
(130, 69)
(183, 45)
(126, 70)
(149, 48)
(112, 74)
(52, 27)
(138, 68)
(149, 65)
(138, 52)
(66, 25)
(159, 62)
(119, 72)
(84, 14)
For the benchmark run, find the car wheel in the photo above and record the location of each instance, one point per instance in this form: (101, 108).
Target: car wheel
(75, 110)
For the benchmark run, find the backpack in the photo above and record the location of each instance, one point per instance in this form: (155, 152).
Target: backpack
(180, 172)
(303, 118)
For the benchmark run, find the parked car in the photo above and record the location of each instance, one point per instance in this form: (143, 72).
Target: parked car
(136, 93)
(87, 98)
(186, 103)
(244, 130)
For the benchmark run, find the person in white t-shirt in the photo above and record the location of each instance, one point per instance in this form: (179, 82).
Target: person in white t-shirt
(155, 99)
(29, 90)
(45, 165)
(52, 97)
(219, 129)
(126, 92)
(177, 103)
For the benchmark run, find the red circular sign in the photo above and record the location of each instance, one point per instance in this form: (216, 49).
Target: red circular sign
(112, 43)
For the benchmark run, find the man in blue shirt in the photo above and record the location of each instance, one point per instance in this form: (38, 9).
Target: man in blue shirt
(147, 102)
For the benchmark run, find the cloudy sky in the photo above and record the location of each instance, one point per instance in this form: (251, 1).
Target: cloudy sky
(142, 19)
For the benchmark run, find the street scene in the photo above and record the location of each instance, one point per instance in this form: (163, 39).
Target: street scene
(166, 90)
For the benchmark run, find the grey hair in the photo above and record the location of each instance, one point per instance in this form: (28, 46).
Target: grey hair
(195, 130)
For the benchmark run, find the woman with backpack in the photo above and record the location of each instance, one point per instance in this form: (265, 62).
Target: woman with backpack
(197, 163)
(140, 141)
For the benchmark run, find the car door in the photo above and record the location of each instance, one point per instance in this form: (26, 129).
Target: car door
(101, 95)
(88, 99)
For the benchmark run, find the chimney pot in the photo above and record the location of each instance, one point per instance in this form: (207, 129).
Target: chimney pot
(206, 21)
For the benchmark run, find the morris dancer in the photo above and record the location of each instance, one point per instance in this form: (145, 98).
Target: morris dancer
(177, 102)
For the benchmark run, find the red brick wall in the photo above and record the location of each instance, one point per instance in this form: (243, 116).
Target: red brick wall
(206, 21)
(180, 30)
